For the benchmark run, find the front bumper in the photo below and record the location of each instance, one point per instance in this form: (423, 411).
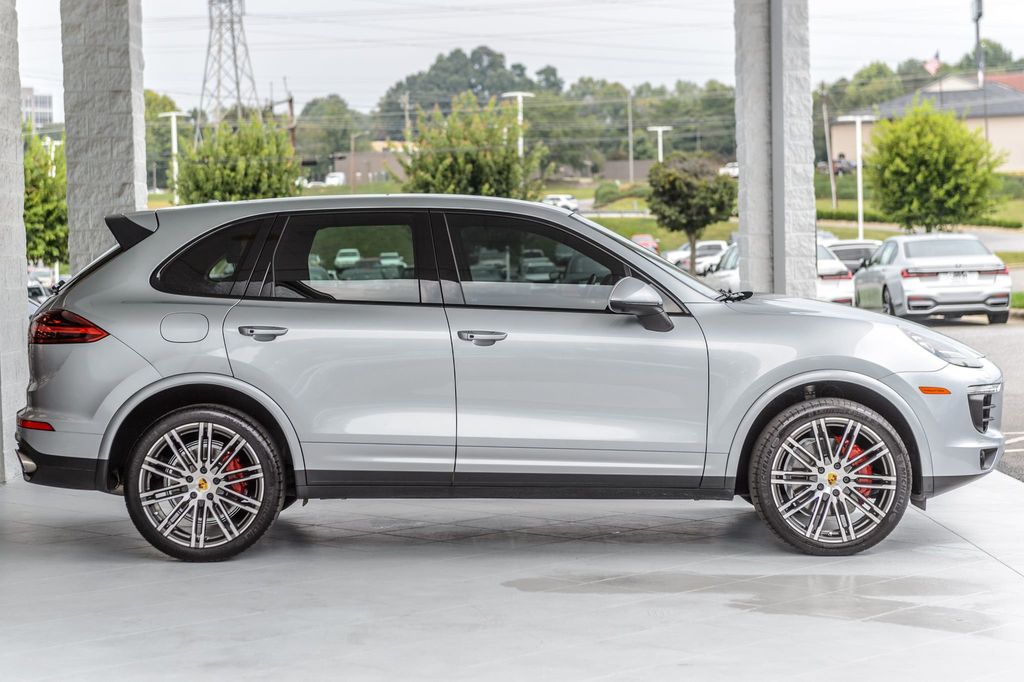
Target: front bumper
(958, 449)
(77, 473)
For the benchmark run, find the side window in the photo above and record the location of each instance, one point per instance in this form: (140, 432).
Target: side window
(213, 265)
(507, 261)
(730, 259)
(889, 254)
(365, 257)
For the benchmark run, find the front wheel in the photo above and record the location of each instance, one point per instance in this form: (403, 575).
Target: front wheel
(830, 476)
(204, 483)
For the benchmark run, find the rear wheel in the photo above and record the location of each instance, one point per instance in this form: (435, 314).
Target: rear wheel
(830, 476)
(887, 305)
(999, 318)
(204, 483)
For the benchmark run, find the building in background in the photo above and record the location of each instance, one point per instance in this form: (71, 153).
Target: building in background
(36, 108)
(997, 108)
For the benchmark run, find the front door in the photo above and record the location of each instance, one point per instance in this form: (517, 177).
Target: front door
(348, 336)
(552, 388)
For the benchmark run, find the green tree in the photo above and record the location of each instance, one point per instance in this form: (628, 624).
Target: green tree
(324, 128)
(158, 135)
(688, 194)
(483, 72)
(872, 84)
(46, 207)
(254, 161)
(996, 57)
(928, 169)
(473, 150)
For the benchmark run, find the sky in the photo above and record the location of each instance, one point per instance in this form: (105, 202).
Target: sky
(359, 48)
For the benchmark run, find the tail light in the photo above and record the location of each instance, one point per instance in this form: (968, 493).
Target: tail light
(841, 275)
(995, 271)
(63, 326)
(907, 274)
(34, 425)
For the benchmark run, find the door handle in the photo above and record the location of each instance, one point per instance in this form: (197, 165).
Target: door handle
(481, 338)
(262, 333)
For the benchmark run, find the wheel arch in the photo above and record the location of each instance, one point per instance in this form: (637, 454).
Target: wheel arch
(849, 385)
(172, 393)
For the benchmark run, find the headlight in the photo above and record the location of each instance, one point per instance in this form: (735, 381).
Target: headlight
(945, 349)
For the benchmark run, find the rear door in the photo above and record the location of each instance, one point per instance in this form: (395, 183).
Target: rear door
(553, 389)
(355, 350)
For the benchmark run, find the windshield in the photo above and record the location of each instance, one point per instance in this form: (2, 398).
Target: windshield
(939, 248)
(653, 259)
(825, 254)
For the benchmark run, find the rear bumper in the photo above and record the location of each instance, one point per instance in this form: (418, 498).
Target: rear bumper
(77, 473)
(930, 300)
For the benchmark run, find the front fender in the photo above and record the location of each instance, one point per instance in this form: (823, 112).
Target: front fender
(249, 390)
(722, 469)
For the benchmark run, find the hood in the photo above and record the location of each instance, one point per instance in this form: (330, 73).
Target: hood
(773, 304)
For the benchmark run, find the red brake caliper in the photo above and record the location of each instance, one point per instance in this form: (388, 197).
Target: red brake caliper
(234, 465)
(866, 470)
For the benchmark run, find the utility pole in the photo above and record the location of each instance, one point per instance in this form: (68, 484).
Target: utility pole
(629, 126)
(352, 160)
(519, 95)
(661, 130)
(407, 134)
(857, 121)
(823, 95)
(227, 79)
(979, 56)
(173, 115)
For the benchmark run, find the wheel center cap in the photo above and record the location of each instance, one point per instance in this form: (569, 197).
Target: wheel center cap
(203, 485)
(832, 478)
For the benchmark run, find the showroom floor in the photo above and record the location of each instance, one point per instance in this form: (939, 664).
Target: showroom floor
(512, 589)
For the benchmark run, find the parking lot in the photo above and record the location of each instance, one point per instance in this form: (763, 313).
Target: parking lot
(514, 589)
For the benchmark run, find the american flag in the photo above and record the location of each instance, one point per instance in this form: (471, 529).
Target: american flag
(933, 64)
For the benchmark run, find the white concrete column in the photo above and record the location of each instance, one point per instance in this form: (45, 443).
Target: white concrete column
(774, 147)
(104, 119)
(13, 274)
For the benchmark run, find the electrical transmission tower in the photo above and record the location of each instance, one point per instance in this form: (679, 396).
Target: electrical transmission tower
(228, 81)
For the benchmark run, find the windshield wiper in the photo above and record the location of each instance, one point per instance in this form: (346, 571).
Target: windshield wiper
(731, 296)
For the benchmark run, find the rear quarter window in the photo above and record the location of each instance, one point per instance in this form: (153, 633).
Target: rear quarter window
(214, 264)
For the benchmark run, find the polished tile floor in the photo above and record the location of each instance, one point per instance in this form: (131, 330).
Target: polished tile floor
(512, 590)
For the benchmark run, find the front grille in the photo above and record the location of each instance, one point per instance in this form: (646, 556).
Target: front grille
(981, 406)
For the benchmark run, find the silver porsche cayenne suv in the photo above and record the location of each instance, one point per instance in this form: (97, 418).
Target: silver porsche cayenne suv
(223, 361)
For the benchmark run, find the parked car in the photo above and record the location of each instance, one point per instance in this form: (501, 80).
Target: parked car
(346, 258)
(708, 254)
(731, 169)
(835, 282)
(334, 179)
(213, 403)
(36, 292)
(725, 275)
(391, 259)
(935, 274)
(646, 241)
(43, 276)
(853, 252)
(566, 201)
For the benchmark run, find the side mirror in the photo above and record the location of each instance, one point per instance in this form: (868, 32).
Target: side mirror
(864, 262)
(633, 297)
(711, 268)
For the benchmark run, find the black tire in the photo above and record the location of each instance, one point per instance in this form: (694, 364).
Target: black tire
(260, 451)
(888, 307)
(999, 318)
(792, 420)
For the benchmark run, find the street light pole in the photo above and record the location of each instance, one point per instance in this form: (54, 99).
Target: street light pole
(661, 130)
(519, 95)
(858, 121)
(173, 115)
(629, 124)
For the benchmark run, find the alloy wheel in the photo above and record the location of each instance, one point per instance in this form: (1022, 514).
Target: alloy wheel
(833, 480)
(201, 485)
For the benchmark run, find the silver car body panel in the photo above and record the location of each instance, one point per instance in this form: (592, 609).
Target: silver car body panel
(571, 394)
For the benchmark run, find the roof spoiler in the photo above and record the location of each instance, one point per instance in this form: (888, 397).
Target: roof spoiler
(130, 231)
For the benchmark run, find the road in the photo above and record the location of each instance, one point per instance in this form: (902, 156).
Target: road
(1003, 344)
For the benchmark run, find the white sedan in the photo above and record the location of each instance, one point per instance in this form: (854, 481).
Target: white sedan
(834, 283)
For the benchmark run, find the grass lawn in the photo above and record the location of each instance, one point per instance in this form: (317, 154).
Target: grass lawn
(1011, 209)
(625, 204)
(1018, 300)
(627, 227)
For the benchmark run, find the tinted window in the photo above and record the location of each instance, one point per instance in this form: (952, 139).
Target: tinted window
(215, 264)
(853, 253)
(939, 248)
(730, 259)
(348, 257)
(505, 261)
(708, 250)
